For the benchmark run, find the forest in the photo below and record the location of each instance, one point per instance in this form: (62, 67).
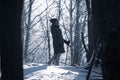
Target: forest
(37, 39)
(92, 27)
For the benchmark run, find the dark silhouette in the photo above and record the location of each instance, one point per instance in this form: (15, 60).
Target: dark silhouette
(10, 39)
(106, 19)
(58, 41)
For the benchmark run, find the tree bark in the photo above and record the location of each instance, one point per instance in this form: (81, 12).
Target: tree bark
(90, 30)
(71, 33)
(77, 43)
(11, 43)
(106, 21)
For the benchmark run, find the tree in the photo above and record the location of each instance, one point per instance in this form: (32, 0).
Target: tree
(90, 30)
(48, 31)
(27, 36)
(59, 10)
(11, 44)
(106, 25)
(77, 42)
(71, 31)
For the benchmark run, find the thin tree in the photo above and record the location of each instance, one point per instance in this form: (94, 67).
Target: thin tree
(59, 9)
(48, 33)
(71, 31)
(90, 30)
(27, 39)
(77, 44)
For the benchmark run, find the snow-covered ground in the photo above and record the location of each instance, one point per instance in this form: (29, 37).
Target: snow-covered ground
(35, 71)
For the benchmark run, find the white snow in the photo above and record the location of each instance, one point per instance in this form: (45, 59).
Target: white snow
(35, 71)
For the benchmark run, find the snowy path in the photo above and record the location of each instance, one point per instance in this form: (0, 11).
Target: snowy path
(35, 71)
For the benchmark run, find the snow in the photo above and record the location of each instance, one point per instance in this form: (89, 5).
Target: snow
(35, 71)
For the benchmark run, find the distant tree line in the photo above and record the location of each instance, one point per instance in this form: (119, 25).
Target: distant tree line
(72, 16)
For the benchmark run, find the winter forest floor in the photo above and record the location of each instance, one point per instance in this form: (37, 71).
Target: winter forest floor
(35, 71)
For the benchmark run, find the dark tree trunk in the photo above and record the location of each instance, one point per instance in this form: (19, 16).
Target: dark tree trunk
(106, 18)
(11, 43)
(90, 30)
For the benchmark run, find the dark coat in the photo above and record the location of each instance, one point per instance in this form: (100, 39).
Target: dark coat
(58, 42)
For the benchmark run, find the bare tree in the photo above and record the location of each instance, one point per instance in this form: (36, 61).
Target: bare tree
(28, 31)
(59, 9)
(48, 31)
(77, 44)
(71, 31)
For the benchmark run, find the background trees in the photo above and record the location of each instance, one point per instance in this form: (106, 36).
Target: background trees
(105, 20)
(72, 16)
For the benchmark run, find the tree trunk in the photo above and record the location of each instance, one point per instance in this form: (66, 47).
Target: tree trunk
(59, 9)
(27, 39)
(48, 33)
(106, 20)
(71, 33)
(90, 30)
(11, 44)
(77, 43)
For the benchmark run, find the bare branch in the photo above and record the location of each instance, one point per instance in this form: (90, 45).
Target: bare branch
(42, 11)
(36, 47)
